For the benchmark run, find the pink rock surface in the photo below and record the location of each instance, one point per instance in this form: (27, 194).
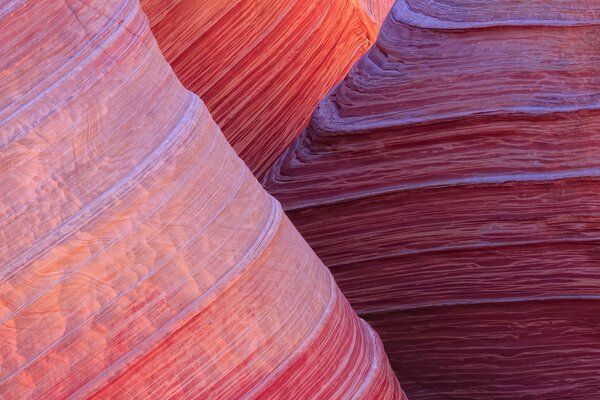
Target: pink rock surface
(140, 258)
(451, 184)
(262, 66)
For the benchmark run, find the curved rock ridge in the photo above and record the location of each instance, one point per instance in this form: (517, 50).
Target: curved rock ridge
(140, 258)
(262, 66)
(451, 184)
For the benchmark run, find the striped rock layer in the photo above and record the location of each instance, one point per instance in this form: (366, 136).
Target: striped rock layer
(139, 257)
(262, 66)
(451, 183)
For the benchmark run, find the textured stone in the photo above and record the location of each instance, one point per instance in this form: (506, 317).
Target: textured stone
(140, 258)
(262, 66)
(451, 184)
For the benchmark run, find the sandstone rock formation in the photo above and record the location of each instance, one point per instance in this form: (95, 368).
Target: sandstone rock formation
(140, 258)
(451, 182)
(262, 66)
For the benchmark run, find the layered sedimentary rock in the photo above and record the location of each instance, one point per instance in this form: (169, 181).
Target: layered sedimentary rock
(139, 256)
(262, 66)
(451, 182)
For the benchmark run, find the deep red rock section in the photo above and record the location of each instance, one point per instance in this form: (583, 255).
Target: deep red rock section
(140, 258)
(451, 183)
(262, 66)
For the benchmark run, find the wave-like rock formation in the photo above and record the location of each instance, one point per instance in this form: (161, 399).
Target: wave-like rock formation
(451, 182)
(140, 258)
(262, 66)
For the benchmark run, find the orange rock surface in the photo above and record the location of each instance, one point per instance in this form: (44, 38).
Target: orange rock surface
(451, 182)
(262, 66)
(140, 258)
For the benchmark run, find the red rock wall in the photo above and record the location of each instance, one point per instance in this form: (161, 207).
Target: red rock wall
(262, 66)
(140, 258)
(451, 183)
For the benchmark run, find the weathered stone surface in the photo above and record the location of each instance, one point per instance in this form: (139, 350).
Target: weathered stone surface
(451, 183)
(139, 256)
(262, 66)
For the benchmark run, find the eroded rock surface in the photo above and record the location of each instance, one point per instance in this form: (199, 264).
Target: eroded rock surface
(451, 184)
(139, 257)
(262, 66)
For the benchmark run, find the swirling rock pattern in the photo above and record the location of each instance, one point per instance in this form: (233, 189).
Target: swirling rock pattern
(140, 258)
(262, 66)
(451, 184)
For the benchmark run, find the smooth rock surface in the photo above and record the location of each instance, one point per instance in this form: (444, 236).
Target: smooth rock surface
(139, 257)
(451, 183)
(262, 66)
